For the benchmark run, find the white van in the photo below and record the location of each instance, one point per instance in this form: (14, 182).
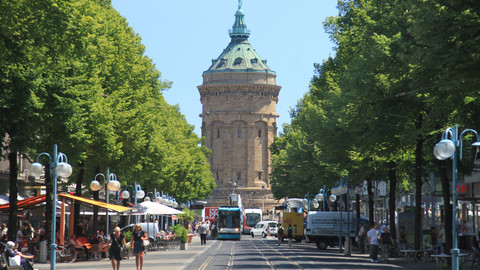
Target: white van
(261, 228)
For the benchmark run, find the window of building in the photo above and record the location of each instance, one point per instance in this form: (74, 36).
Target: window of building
(218, 133)
(239, 133)
(239, 175)
(259, 133)
(222, 62)
(259, 175)
(218, 176)
(238, 61)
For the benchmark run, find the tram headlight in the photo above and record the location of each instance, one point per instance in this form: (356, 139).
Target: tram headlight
(237, 229)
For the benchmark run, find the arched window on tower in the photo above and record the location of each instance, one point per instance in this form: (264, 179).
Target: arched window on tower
(239, 133)
(218, 133)
(259, 133)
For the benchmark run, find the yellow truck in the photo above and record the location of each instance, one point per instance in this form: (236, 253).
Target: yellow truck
(296, 221)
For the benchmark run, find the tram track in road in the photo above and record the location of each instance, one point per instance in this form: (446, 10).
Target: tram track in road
(231, 256)
(268, 258)
(230, 259)
(210, 258)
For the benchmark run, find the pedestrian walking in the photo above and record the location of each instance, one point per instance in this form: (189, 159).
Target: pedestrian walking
(202, 230)
(372, 236)
(289, 234)
(387, 242)
(362, 234)
(4, 232)
(214, 230)
(20, 235)
(442, 239)
(280, 233)
(138, 247)
(117, 242)
(434, 240)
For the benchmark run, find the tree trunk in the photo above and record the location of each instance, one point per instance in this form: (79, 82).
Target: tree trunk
(124, 218)
(357, 205)
(418, 185)
(371, 214)
(392, 173)
(78, 192)
(13, 210)
(447, 206)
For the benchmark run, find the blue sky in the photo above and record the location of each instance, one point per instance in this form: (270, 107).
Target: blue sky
(182, 38)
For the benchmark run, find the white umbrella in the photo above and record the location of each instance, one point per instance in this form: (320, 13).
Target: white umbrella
(5, 198)
(154, 208)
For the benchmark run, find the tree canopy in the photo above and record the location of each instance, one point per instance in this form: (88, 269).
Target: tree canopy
(73, 73)
(402, 72)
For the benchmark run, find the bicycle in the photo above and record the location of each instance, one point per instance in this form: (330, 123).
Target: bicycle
(64, 254)
(472, 263)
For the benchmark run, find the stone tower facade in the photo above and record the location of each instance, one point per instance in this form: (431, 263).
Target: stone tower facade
(239, 97)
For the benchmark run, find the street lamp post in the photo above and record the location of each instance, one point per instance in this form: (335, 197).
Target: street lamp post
(340, 190)
(447, 148)
(137, 193)
(306, 202)
(321, 196)
(58, 167)
(112, 185)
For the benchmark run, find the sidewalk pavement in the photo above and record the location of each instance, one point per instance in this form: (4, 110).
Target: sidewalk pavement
(403, 263)
(165, 259)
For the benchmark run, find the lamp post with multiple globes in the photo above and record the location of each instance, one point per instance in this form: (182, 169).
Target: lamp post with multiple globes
(111, 184)
(447, 148)
(137, 193)
(59, 167)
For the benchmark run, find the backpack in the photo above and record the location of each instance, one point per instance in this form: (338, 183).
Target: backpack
(280, 230)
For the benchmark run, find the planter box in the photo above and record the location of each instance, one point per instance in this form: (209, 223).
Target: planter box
(183, 246)
(189, 238)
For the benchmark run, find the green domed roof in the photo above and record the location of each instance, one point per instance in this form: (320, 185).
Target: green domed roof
(239, 54)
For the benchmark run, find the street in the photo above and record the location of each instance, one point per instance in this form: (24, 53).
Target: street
(248, 253)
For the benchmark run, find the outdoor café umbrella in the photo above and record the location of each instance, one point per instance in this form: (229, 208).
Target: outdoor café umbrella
(154, 208)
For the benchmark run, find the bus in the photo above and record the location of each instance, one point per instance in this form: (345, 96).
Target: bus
(251, 216)
(230, 222)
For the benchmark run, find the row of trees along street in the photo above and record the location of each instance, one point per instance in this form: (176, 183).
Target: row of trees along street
(402, 71)
(73, 73)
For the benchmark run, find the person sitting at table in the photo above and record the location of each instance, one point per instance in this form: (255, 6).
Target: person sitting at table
(81, 242)
(25, 260)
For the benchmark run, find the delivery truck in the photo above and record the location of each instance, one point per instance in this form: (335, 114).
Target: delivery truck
(325, 228)
(296, 221)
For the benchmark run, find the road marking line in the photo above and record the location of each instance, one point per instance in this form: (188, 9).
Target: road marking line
(232, 254)
(205, 264)
(279, 253)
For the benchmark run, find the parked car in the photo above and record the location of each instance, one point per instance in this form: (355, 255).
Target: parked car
(264, 227)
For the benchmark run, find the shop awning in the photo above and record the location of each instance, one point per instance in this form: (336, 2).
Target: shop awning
(114, 207)
(33, 201)
(27, 203)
